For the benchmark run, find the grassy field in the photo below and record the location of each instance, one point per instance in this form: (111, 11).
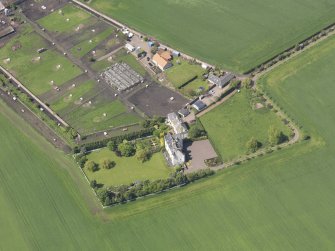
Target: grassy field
(127, 170)
(34, 72)
(183, 72)
(72, 97)
(85, 47)
(90, 118)
(65, 20)
(193, 88)
(237, 35)
(283, 201)
(231, 125)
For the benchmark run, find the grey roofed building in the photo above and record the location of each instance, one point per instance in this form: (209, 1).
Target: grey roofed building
(220, 81)
(199, 105)
(174, 148)
(184, 112)
(177, 124)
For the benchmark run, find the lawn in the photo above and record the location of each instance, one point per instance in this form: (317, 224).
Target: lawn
(193, 89)
(127, 170)
(232, 124)
(36, 71)
(182, 71)
(89, 118)
(86, 46)
(65, 20)
(72, 97)
(282, 201)
(237, 35)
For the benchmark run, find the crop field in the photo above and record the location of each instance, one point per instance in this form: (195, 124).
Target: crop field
(100, 115)
(66, 20)
(237, 35)
(127, 169)
(182, 71)
(232, 124)
(36, 71)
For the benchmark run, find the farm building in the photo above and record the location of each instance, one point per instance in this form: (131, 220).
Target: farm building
(174, 149)
(6, 31)
(184, 112)
(177, 125)
(199, 105)
(129, 47)
(220, 81)
(165, 54)
(161, 63)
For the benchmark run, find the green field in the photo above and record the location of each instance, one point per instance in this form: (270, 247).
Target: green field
(193, 89)
(90, 118)
(36, 73)
(182, 72)
(57, 21)
(232, 124)
(71, 98)
(127, 170)
(86, 46)
(237, 35)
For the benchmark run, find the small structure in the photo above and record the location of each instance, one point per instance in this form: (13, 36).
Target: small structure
(174, 149)
(2, 7)
(176, 53)
(199, 105)
(165, 55)
(184, 112)
(220, 81)
(177, 125)
(6, 31)
(161, 63)
(129, 47)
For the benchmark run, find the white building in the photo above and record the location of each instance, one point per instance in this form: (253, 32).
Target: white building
(177, 124)
(129, 47)
(174, 149)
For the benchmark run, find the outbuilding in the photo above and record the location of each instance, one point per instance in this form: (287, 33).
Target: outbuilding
(199, 105)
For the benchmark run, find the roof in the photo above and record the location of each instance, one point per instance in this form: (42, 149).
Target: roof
(199, 105)
(165, 54)
(2, 7)
(129, 47)
(177, 124)
(175, 142)
(220, 81)
(161, 62)
(184, 112)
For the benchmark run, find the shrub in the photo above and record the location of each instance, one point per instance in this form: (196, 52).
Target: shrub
(91, 166)
(108, 164)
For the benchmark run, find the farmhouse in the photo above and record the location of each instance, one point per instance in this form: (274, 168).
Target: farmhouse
(177, 125)
(174, 149)
(220, 81)
(199, 105)
(160, 62)
(165, 55)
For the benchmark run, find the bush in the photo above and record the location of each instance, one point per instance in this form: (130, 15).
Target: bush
(91, 166)
(112, 145)
(253, 145)
(108, 164)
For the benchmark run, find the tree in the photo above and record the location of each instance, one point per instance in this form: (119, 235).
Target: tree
(112, 145)
(247, 83)
(276, 137)
(253, 145)
(91, 166)
(235, 83)
(108, 164)
(196, 132)
(126, 149)
(94, 184)
(143, 154)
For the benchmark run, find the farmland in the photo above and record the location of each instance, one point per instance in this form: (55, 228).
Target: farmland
(36, 70)
(231, 125)
(127, 169)
(223, 32)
